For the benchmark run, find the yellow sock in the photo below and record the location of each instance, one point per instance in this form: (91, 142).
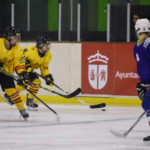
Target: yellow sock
(20, 105)
(34, 89)
(12, 92)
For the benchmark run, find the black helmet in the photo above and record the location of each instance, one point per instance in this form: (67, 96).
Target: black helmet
(41, 41)
(11, 31)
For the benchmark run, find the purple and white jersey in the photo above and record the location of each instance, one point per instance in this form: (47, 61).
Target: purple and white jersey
(142, 56)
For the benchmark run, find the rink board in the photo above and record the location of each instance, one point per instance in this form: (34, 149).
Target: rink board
(69, 73)
(111, 101)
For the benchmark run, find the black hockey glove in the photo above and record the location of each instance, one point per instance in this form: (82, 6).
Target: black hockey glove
(49, 80)
(1, 65)
(141, 91)
(24, 78)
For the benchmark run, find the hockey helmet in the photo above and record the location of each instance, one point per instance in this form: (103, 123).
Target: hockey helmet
(11, 32)
(41, 41)
(142, 26)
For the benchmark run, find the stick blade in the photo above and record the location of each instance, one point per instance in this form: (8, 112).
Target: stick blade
(75, 93)
(57, 118)
(101, 105)
(117, 134)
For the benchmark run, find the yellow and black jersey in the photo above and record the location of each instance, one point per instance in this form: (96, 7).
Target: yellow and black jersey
(11, 59)
(32, 58)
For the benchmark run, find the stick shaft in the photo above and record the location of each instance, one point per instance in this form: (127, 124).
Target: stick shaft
(16, 79)
(90, 106)
(135, 123)
(41, 101)
(74, 96)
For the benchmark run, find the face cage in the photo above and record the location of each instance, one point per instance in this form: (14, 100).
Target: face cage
(43, 44)
(18, 36)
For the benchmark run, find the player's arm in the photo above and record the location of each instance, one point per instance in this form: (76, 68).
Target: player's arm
(27, 62)
(46, 74)
(19, 65)
(45, 70)
(19, 61)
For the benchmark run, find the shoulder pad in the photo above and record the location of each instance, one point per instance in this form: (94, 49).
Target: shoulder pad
(146, 42)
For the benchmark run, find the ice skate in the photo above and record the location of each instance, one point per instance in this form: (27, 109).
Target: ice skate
(31, 105)
(24, 114)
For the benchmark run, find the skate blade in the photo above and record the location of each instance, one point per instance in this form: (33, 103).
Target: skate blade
(32, 109)
(25, 119)
(57, 118)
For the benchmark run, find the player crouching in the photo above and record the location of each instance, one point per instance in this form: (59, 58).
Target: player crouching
(36, 57)
(8, 48)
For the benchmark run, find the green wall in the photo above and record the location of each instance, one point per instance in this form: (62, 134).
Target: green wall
(144, 2)
(94, 14)
(102, 15)
(52, 15)
(39, 15)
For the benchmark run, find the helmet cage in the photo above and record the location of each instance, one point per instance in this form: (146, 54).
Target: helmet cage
(41, 41)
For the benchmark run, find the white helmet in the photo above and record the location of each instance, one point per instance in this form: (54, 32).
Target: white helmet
(142, 25)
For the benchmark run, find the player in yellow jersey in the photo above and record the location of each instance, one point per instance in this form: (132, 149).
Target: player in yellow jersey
(8, 46)
(37, 57)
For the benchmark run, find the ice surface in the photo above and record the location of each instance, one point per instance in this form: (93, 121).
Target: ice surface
(80, 128)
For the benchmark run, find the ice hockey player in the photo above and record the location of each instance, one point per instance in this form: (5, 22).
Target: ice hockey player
(8, 47)
(36, 57)
(142, 56)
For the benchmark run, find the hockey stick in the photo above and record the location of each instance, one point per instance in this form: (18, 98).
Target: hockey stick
(70, 95)
(130, 129)
(16, 79)
(101, 105)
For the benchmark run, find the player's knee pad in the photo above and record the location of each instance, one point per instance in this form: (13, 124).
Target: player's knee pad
(19, 88)
(10, 91)
(37, 81)
(146, 103)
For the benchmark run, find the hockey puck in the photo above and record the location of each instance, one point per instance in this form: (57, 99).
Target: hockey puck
(103, 109)
(146, 138)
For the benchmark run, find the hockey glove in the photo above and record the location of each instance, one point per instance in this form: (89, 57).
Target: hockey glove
(29, 68)
(24, 78)
(1, 65)
(49, 80)
(141, 91)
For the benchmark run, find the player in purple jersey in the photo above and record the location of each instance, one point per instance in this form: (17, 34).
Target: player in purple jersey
(142, 56)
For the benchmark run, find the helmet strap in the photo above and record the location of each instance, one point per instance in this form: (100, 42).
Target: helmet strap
(41, 54)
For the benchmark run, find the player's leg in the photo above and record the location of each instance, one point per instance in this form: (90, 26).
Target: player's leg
(146, 107)
(8, 86)
(6, 98)
(34, 89)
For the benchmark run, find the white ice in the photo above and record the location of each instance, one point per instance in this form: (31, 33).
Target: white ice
(80, 128)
